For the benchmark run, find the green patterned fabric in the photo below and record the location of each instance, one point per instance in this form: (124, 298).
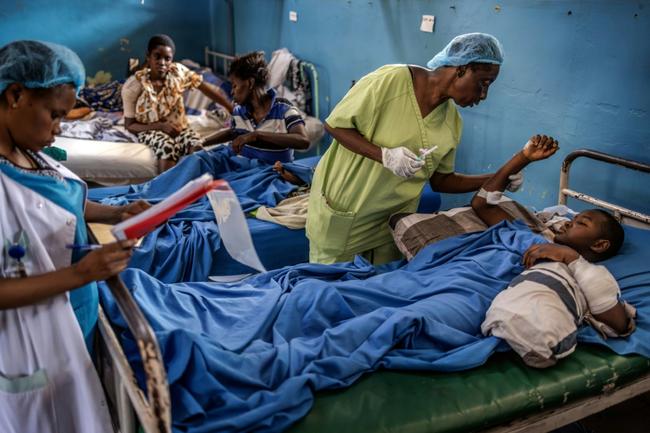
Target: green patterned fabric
(501, 390)
(56, 153)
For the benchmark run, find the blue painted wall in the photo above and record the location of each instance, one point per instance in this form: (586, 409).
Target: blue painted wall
(105, 33)
(579, 70)
(574, 69)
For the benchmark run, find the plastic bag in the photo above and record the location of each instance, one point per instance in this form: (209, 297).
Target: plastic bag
(232, 226)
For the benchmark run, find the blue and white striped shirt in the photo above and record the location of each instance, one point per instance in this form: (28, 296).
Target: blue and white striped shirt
(280, 119)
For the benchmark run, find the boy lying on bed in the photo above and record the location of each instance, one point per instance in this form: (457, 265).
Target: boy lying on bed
(540, 311)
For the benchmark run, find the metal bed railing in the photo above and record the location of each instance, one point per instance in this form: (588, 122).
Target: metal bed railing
(153, 409)
(622, 213)
(220, 64)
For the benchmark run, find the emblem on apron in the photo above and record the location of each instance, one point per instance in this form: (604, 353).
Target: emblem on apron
(14, 253)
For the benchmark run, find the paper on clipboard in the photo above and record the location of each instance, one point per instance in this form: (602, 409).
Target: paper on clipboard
(147, 221)
(232, 226)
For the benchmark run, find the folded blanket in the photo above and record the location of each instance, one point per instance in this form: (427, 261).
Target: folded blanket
(290, 212)
(103, 97)
(98, 128)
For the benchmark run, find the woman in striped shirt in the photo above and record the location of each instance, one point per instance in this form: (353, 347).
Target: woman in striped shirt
(264, 126)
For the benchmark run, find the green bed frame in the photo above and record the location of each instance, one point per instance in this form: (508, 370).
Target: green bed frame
(502, 390)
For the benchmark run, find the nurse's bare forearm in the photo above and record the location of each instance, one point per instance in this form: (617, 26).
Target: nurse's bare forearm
(101, 213)
(457, 183)
(18, 292)
(499, 181)
(352, 140)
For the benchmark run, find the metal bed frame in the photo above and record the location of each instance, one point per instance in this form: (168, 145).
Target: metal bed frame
(153, 410)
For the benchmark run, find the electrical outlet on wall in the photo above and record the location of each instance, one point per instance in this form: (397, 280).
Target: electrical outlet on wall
(293, 16)
(427, 23)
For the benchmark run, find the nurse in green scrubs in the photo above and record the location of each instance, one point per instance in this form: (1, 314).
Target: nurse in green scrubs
(374, 166)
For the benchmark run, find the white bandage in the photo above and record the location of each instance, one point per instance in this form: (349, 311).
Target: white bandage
(491, 197)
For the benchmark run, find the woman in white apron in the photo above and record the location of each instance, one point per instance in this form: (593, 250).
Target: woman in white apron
(47, 379)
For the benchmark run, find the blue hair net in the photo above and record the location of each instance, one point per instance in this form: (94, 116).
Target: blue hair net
(469, 48)
(39, 65)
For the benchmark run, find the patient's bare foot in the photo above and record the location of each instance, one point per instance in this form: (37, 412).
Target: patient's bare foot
(286, 174)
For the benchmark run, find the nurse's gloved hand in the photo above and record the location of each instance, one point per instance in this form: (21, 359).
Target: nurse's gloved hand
(516, 180)
(401, 161)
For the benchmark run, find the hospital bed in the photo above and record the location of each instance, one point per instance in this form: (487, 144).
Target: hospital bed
(503, 395)
(111, 163)
(198, 242)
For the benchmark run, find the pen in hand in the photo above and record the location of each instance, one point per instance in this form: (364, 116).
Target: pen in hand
(87, 247)
(83, 247)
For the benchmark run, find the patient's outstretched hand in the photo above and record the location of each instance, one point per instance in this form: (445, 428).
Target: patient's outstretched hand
(540, 147)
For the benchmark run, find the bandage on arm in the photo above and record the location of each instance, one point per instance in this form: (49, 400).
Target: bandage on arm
(484, 202)
(602, 294)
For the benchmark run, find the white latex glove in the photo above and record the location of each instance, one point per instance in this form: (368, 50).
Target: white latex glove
(401, 161)
(516, 180)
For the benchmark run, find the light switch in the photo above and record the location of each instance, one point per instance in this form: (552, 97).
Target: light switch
(293, 16)
(427, 23)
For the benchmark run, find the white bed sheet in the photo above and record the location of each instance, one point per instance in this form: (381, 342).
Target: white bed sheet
(108, 163)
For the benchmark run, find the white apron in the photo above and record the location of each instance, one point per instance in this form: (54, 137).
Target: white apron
(48, 383)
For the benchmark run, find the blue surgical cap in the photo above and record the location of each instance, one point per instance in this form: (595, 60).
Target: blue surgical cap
(39, 65)
(469, 48)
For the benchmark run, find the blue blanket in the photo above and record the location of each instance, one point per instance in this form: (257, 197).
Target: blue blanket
(188, 247)
(191, 250)
(254, 181)
(249, 356)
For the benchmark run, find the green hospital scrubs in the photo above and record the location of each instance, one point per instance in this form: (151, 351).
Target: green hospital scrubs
(352, 196)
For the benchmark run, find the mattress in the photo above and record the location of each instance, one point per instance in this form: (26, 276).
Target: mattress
(501, 390)
(108, 163)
